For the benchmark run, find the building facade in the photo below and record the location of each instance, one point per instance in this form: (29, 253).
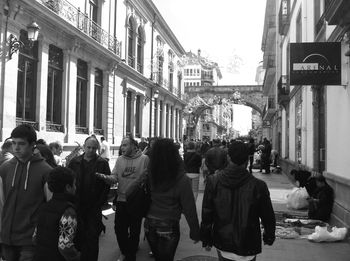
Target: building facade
(98, 67)
(310, 122)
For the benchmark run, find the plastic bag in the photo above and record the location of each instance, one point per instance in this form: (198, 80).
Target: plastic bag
(297, 199)
(321, 234)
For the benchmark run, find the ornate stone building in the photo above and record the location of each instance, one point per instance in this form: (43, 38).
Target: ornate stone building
(98, 66)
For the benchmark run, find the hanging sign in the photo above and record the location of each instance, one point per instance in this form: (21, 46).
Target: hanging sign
(315, 63)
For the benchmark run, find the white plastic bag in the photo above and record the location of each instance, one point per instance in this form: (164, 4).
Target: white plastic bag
(322, 234)
(297, 199)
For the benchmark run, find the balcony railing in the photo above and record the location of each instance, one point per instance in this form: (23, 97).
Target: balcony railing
(284, 17)
(54, 127)
(81, 21)
(34, 124)
(131, 61)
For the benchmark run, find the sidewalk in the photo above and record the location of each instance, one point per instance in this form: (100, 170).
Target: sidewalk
(283, 249)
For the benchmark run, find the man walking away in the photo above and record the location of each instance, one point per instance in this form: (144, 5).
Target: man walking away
(251, 150)
(234, 202)
(25, 189)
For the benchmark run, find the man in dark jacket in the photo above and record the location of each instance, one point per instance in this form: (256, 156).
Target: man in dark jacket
(234, 201)
(91, 194)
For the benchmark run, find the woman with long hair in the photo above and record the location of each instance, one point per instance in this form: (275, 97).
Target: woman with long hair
(171, 195)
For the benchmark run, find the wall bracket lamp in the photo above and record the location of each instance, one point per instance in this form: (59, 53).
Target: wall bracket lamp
(147, 99)
(15, 44)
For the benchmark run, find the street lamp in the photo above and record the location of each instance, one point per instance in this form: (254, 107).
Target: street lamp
(15, 44)
(147, 99)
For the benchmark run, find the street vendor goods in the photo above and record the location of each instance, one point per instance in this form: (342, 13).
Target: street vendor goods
(322, 234)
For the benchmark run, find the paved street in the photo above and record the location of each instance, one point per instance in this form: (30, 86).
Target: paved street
(282, 249)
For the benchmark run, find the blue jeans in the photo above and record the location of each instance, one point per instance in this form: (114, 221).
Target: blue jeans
(163, 237)
(18, 253)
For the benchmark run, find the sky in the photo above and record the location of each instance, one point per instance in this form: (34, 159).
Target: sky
(228, 32)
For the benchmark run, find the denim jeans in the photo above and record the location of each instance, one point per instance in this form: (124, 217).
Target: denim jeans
(18, 253)
(163, 237)
(127, 227)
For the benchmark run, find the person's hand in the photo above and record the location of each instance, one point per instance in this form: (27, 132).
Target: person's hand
(114, 207)
(268, 240)
(195, 241)
(100, 175)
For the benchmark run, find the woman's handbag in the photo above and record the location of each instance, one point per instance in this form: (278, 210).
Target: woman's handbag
(138, 198)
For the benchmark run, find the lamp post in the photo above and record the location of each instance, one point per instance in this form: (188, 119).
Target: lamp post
(15, 44)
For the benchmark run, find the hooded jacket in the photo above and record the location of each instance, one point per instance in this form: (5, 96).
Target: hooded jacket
(234, 201)
(128, 171)
(24, 193)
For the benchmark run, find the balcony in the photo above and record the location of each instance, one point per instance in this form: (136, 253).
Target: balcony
(82, 22)
(270, 109)
(337, 12)
(283, 91)
(284, 17)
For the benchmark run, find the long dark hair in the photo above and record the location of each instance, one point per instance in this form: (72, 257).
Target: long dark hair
(165, 164)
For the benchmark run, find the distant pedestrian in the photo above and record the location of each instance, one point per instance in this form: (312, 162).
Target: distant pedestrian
(265, 156)
(57, 149)
(6, 151)
(171, 195)
(91, 194)
(24, 186)
(215, 158)
(251, 150)
(45, 152)
(105, 149)
(192, 163)
(234, 202)
(57, 227)
(142, 144)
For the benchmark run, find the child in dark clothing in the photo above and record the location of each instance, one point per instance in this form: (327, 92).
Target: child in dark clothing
(57, 225)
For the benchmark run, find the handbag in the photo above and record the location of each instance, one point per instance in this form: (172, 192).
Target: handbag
(138, 198)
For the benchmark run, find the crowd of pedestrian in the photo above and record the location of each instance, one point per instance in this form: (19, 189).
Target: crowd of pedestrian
(53, 212)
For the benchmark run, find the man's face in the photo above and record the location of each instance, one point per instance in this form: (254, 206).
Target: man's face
(127, 148)
(90, 148)
(22, 149)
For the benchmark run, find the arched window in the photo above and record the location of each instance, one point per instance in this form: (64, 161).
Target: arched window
(140, 40)
(131, 56)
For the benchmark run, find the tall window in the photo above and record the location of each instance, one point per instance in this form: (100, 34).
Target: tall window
(172, 122)
(138, 117)
(167, 119)
(155, 117)
(139, 50)
(54, 88)
(160, 69)
(81, 106)
(98, 97)
(130, 43)
(171, 76)
(128, 112)
(93, 15)
(161, 118)
(299, 29)
(298, 126)
(26, 80)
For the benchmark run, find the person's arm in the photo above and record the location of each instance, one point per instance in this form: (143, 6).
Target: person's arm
(111, 178)
(267, 215)
(47, 192)
(189, 208)
(208, 209)
(67, 234)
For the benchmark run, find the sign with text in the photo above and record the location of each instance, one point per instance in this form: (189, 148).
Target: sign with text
(315, 63)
